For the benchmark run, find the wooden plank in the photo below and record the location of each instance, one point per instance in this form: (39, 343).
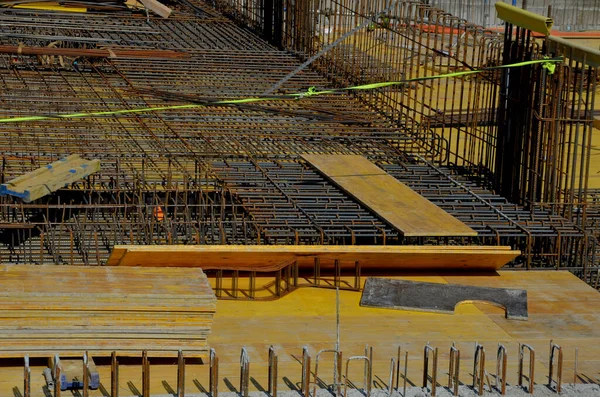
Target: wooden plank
(400, 206)
(70, 308)
(270, 257)
(50, 178)
(157, 8)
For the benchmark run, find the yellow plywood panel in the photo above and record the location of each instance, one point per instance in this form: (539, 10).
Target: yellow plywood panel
(273, 257)
(307, 317)
(71, 309)
(49, 178)
(399, 205)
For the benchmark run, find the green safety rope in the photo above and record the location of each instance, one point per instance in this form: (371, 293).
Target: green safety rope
(547, 63)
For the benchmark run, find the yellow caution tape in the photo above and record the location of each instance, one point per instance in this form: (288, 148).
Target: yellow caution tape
(548, 64)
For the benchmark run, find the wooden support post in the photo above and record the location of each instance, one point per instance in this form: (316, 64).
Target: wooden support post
(278, 283)
(357, 275)
(235, 275)
(114, 375)
(252, 287)
(287, 274)
(295, 273)
(180, 374)
(337, 273)
(219, 284)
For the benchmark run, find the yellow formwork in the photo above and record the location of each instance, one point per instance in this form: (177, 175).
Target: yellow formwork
(561, 307)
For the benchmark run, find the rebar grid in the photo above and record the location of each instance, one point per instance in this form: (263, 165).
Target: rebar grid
(231, 174)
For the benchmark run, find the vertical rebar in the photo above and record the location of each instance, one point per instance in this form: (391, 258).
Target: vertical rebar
(214, 373)
(554, 348)
(180, 374)
(114, 375)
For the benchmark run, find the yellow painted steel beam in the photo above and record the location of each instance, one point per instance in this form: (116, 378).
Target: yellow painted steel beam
(523, 18)
(574, 51)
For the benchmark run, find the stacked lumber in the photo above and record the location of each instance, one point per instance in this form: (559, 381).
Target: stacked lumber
(73, 309)
(273, 257)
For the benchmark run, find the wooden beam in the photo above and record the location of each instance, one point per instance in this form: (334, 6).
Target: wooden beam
(397, 204)
(271, 257)
(49, 178)
(157, 8)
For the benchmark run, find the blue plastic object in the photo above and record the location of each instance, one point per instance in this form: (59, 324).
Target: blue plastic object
(78, 384)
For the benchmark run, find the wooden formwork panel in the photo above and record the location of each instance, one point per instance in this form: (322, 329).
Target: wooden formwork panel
(100, 309)
(400, 206)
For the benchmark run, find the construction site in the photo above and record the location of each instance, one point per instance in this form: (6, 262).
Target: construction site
(284, 198)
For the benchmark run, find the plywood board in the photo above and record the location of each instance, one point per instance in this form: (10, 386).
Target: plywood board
(49, 178)
(273, 257)
(71, 309)
(400, 206)
(561, 307)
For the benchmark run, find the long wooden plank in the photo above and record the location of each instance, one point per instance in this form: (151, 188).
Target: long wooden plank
(400, 206)
(269, 257)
